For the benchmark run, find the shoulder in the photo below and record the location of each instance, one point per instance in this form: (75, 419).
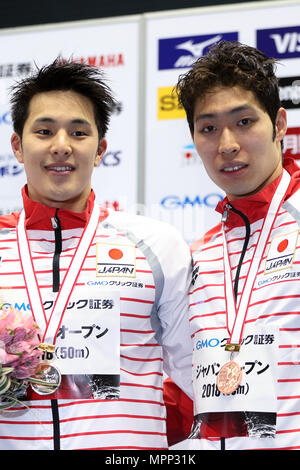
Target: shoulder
(207, 238)
(142, 227)
(159, 241)
(9, 220)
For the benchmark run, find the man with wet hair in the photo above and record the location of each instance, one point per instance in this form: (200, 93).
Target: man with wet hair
(244, 309)
(107, 289)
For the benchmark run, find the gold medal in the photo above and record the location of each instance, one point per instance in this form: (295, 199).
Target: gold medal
(229, 377)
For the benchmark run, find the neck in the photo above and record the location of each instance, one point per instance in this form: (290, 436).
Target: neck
(276, 173)
(77, 204)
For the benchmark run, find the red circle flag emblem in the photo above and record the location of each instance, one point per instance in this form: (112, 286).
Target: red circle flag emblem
(282, 245)
(115, 253)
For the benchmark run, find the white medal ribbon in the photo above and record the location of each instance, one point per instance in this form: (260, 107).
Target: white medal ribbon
(50, 328)
(236, 316)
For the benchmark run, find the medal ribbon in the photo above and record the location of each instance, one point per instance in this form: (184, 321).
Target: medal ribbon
(236, 316)
(51, 327)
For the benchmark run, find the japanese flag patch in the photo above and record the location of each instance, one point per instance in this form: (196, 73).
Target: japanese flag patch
(115, 259)
(281, 252)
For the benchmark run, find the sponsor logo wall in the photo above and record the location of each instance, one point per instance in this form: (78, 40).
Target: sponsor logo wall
(176, 181)
(151, 164)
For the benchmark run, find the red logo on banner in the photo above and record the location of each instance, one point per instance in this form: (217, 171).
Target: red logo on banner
(111, 204)
(291, 143)
(105, 60)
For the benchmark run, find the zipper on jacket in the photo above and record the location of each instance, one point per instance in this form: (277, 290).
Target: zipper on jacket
(56, 284)
(225, 213)
(56, 425)
(58, 248)
(246, 241)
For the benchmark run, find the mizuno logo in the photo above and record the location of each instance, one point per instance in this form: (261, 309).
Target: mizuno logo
(196, 49)
(183, 51)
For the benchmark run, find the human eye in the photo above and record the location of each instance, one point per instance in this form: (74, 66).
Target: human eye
(43, 132)
(207, 129)
(245, 122)
(78, 133)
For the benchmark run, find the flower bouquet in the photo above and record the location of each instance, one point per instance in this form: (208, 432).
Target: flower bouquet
(20, 356)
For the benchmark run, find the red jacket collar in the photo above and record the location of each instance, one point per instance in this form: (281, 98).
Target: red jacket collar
(38, 216)
(255, 207)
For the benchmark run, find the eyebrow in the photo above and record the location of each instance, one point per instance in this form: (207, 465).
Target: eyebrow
(232, 111)
(53, 121)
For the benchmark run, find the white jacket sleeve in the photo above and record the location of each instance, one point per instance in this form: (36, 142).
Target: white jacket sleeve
(172, 311)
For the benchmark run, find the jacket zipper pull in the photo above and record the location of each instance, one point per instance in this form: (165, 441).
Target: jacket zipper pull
(225, 213)
(58, 249)
(54, 223)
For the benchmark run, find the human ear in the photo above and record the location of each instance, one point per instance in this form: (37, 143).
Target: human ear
(280, 124)
(16, 145)
(100, 152)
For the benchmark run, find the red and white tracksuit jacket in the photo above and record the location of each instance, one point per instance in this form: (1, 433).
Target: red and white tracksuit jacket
(154, 327)
(274, 303)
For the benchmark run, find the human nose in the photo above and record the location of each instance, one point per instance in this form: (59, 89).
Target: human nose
(228, 144)
(61, 145)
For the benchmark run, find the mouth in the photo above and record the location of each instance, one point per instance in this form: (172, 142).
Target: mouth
(233, 168)
(59, 168)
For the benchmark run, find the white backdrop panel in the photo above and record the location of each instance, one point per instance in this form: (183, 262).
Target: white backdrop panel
(113, 45)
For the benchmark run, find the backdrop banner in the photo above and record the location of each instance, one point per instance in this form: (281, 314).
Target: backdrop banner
(177, 188)
(112, 46)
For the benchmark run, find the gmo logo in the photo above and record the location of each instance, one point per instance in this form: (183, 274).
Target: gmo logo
(172, 202)
(207, 343)
(6, 118)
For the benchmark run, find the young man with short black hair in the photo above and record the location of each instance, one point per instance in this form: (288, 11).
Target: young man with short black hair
(107, 289)
(244, 309)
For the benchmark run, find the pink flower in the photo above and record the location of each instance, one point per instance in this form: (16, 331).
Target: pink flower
(8, 320)
(6, 337)
(18, 347)
(27, 365)
(18, 342)
(19, 334)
